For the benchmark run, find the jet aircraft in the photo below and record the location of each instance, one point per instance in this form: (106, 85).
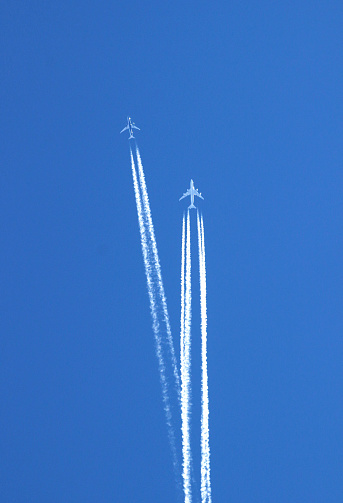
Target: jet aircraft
(191, 192)
(130, 126)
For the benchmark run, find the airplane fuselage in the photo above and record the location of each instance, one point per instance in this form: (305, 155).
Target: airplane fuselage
(129, 123)
(192, 190)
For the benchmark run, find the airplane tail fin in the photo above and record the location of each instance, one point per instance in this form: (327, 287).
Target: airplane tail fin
(191, 206)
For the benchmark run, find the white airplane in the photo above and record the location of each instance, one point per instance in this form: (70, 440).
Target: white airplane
(130, 126)
(191, 192)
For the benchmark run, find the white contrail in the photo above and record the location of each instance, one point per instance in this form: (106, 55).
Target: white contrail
(182, 322)
(186, 315)
(157, 266)
(154, 313)
(182, 365)
(206, 496)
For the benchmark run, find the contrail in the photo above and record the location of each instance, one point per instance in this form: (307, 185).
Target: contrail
(157, 266)
(152, 291)
(186, 315)
(206, 496)
(183, 371)
(182, 323)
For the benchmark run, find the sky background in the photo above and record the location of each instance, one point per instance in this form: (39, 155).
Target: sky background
(246, 99)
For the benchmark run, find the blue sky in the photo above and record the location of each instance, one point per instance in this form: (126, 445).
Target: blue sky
(246, 99)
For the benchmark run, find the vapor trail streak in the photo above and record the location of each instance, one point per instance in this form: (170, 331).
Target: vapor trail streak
(206, 496)
(151, 231)
(186, 315)
(182, 322)
(148, 260)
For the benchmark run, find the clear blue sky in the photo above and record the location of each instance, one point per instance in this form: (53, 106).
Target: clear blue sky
(246, 99)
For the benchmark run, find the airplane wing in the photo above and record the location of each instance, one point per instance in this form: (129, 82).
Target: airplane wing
(185, 195)
(135, 127)
(197, 194)
(125, 128)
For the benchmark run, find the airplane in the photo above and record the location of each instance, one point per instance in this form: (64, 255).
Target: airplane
(130, 126)
(191, 192)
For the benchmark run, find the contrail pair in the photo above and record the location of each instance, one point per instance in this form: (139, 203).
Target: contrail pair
(158, 305)
(186, 318)
(206, 495)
